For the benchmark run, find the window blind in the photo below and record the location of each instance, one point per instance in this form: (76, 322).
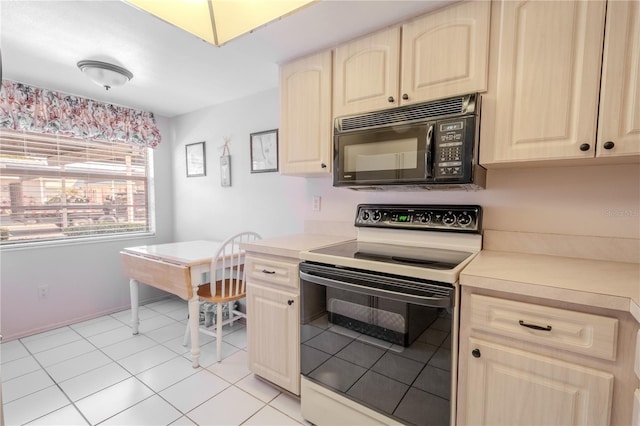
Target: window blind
(58, 188)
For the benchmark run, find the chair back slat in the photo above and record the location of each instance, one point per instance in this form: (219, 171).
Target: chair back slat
(227, 266)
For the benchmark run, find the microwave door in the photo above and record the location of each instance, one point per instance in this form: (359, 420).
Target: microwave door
(382, 156)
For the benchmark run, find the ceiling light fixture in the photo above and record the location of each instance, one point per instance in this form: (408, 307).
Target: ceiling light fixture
(105, 74)
(218, 21)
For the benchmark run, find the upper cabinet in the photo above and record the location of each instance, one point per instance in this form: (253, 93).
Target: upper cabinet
(446, 53)
(305, 116)
(542, 102)
(366, 73)
(438, 55)
(619, 116)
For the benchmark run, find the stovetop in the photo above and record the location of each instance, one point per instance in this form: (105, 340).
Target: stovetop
(421, 257)
(423, 241)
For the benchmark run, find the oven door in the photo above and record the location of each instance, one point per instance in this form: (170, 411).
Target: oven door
(381, 341)
(399, 154)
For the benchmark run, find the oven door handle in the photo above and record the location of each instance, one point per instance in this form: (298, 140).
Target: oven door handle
(436, 302)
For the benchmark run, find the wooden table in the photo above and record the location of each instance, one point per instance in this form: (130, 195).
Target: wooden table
(178, 268)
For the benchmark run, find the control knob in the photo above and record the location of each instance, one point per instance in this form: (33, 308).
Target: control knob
(365, 215)
(376, 215)
(449, 219)
(464, 219)
(425, 217)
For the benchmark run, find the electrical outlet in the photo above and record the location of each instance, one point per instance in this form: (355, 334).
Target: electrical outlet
(315, 204)
(43, 291)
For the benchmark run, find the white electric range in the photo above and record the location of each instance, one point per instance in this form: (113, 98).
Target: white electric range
(379, 316)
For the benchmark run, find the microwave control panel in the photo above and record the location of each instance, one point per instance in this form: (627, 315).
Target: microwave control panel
(452, 147)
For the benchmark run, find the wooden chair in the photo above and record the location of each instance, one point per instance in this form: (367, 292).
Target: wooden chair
(226, 285)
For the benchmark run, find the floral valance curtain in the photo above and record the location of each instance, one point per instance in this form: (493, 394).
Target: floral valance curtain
(33, 109)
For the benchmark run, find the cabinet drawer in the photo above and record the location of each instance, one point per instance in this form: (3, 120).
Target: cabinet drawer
(272, 271)
(578, 332)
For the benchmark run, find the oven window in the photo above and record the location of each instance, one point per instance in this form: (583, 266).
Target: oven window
(391, 356)
(400, 154)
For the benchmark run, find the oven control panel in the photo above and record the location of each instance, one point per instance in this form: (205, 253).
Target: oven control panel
(454, 218)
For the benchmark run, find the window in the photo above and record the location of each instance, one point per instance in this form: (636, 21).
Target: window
(60, 188)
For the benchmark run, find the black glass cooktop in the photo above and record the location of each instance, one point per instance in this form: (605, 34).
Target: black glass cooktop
(425, 257)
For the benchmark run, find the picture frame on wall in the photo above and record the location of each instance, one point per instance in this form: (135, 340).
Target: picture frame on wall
(225, 170)
(264, 151)
(196, 161)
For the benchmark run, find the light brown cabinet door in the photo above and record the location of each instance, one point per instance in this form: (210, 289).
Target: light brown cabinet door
(619, 119)
(542, 102)
(305, 145)
(507, 386)
(273, 333)
(445, 53)
(366, 76)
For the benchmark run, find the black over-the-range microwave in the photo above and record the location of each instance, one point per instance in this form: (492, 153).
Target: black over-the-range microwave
(431, 145)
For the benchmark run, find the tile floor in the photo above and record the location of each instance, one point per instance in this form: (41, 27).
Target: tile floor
(96, 372)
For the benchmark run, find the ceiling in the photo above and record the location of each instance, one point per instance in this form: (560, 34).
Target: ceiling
(174, 71)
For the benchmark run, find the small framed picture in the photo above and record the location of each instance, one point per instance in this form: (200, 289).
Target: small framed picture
(264, 151)
(225, 170)
(196, 161)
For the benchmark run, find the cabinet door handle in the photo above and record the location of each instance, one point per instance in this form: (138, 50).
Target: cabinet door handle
(535, 327)
(476, 353)
(405, 96)
(391, 99)
(323, 165)
(264, 271)
(585, 147)
(290, 302)
(609, 145)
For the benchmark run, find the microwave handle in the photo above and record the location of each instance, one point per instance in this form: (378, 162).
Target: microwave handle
(428, 154)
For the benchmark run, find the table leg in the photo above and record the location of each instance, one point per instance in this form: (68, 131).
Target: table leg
(135, 320)
(194, 320)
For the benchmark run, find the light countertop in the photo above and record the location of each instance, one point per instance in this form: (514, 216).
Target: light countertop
(606, 284)
(292, 245)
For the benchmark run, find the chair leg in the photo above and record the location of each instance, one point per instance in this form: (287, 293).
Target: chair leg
(231, 317)
(185, 339)
(219, 332)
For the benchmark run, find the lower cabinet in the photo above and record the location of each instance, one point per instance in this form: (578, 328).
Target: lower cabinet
(526, 360)
(273, 325)
(510, 387)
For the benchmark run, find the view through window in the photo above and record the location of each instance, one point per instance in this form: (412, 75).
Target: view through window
(58, 188)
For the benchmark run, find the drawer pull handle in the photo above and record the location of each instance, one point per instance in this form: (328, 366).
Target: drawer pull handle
(535, 327)
(268, 272)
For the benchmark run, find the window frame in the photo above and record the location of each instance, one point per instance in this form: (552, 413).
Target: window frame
(92, 174)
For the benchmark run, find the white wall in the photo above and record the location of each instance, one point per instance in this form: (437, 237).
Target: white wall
(586, 200)
(583, 200)
(267, 203)
(85, 280)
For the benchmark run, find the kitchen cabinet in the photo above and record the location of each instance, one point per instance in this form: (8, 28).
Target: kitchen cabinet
(619, 114)
(544, 82)
(510, 385)
(273, 326)
(366, 74)
(438, 55)
(545, 361)
(305, 116)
